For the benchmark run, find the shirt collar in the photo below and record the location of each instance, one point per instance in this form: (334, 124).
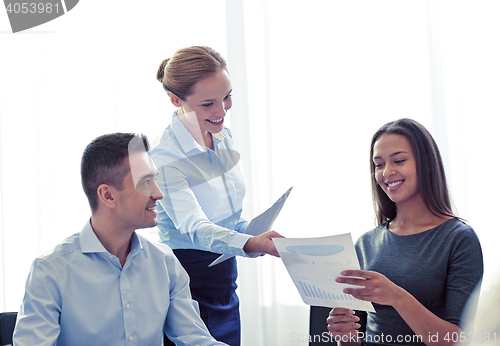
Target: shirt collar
(185, 139)
(219, 136)
(89, 242)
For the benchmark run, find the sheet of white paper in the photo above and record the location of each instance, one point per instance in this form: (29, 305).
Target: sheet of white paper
(315, 263)
(260, 224)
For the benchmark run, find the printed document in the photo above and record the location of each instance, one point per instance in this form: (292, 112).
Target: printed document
(260, 224)
(315, 263)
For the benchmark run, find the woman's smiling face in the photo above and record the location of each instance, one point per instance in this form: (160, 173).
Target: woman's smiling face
(396, 168)
(210, 100)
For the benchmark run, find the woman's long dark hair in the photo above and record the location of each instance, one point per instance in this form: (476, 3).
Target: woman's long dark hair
(431, 180)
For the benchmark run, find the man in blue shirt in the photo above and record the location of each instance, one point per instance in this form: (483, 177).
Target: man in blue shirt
(107, 285)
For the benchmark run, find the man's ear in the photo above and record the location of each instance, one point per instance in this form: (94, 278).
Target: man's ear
(176, 101)
(106, 195)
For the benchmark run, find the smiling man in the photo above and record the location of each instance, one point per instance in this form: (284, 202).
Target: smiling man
(106, 285)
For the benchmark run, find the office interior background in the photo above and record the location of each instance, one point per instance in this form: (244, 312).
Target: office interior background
(312, 81)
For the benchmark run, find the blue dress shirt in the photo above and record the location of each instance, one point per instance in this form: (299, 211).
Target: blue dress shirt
(204, 191)
(79, 294)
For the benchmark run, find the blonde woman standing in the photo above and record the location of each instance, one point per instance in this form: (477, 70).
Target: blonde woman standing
(200, 215)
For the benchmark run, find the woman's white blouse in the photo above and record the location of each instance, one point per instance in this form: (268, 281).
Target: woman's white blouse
(204, 191)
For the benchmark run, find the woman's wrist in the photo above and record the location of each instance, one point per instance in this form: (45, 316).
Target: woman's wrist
(401, 299)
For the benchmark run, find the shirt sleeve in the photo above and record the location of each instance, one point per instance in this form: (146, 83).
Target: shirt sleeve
(195, 230)
(183, 325)
(241, 226)
(38, 318)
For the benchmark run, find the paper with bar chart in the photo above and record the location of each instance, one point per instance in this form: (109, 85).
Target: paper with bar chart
(315, 263)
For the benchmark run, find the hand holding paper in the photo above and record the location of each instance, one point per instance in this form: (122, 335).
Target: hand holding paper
(314, 265)
(263, 242)
(260, 224)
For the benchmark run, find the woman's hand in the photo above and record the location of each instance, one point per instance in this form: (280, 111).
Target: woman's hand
(342, 323)
(263, 243)
(379, 289)
(376, 287)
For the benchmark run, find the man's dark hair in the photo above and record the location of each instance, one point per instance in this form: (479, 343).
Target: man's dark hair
(104, 161)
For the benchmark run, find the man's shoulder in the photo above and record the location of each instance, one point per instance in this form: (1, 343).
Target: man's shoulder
(64, 248)
(154, 247)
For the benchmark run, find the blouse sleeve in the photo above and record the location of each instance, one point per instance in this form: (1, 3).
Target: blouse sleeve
(193, 228)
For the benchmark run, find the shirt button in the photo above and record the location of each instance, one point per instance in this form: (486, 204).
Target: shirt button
(131, 338)
(127, 306)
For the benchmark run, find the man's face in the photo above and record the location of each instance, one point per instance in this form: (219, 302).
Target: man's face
(137, 201)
